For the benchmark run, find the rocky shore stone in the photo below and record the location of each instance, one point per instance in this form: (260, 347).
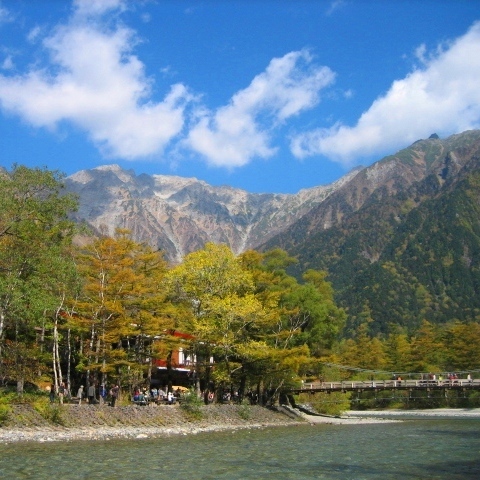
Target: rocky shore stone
(101, 422)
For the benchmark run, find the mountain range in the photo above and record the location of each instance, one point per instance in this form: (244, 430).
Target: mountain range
(400, 239)
(179, 215)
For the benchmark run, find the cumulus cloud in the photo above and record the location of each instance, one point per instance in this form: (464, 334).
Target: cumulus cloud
(334, 6)
(8, 63)
(234, 134)
(97, 7)
(95, 82)
(441, 96)
(5, 15)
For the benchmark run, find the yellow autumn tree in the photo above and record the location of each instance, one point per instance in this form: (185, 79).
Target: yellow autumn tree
(225, 313)
(121, 309)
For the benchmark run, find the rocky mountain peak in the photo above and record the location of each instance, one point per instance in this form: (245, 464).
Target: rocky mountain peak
(179, 215)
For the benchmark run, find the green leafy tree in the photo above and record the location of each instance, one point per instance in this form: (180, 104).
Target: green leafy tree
(225, 313)
(304, 319)
(313, 315)
(34, 230)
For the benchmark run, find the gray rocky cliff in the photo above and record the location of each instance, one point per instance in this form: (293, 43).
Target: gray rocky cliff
(179, 215)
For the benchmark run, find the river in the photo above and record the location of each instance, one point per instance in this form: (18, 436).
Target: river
(413, 449)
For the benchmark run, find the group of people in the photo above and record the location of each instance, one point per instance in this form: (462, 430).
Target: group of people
(440, 379)
(99, 394)
(60, 392)
(104, 395)
(154, 395)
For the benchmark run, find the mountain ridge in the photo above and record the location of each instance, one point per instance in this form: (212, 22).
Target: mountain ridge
(370, 230)
(395, 259)
(179, 215)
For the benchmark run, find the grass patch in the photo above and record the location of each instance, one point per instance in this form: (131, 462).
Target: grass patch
(244, 411)
(4, 414)
(191, 406)
(334, 403)
(9, 396)
(52, 412)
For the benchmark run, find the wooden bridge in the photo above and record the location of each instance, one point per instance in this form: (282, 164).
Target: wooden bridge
(380, 385)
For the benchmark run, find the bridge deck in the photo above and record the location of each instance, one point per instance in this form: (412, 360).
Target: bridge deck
(378, 385)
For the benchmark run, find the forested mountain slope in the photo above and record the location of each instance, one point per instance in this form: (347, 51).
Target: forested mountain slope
(401, 241)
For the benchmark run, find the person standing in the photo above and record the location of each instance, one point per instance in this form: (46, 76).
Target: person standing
(114, 395)
(61, 392)
(52, 393)
(91, 394)
(80, 394)
(102, 391)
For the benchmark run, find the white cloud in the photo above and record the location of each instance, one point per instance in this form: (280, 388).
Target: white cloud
(420, 53)
(97, 7)
(442, 96)
(241, 130)
(334, 6)
(5, 15)
(34, 34)
(8, 63)
(96, 83)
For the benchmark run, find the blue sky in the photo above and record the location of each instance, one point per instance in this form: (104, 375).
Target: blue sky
(268, 96)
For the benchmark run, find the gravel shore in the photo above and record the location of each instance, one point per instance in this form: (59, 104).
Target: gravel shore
(86, 422)
(403, 414)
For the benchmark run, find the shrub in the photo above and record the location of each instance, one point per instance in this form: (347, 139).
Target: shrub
(244, 411)
(51, 412)
(4, 413)
(191, 405)
(330, 404)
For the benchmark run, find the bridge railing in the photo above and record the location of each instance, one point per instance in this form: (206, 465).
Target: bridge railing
(378, 384)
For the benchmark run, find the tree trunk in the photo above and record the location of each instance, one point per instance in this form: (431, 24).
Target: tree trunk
(169, 371)
(56, 356)
(54, 365)
(69, 360)
(2, 323)
(150, 364)
(260, 392)
(241, 388)
(42, 341)
(20, 385)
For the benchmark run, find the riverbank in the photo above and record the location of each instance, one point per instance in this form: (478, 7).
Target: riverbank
(405, 414)
(101, 422)
(388, 416)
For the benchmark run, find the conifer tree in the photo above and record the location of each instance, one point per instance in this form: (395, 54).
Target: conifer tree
(461, 345)
(427, 352)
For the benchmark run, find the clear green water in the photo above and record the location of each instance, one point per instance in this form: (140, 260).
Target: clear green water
(420, 449)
